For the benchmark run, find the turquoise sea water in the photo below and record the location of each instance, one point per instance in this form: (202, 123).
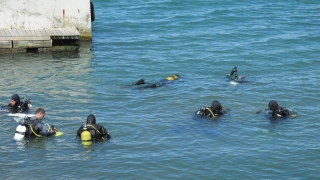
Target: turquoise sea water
(155, 135)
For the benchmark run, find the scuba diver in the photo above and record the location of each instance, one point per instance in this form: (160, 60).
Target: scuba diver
(275, 111)
(162, 82)
(16, 106)
(236, 79)
(92, 131)
(34, 127)
(214, 111)
(233, 75)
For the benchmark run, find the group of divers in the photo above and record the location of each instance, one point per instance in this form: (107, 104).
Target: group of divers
(33, 126)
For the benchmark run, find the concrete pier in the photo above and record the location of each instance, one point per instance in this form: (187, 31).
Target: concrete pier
(40, 23)
(41, 14)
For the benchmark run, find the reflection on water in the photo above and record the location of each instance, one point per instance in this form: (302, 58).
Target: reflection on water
(61, 75)
(21, 144)
(86, 152)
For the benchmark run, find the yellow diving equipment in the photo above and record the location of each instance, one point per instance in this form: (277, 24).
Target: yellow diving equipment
(213, 116)
(86, 137)
(173, 77)
(58, 133)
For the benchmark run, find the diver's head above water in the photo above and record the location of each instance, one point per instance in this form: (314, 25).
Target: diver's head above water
(216, 106)
(14, 100)
(273, 105)
(91, 119)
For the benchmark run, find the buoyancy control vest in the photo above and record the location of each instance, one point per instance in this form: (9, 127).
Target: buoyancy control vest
(281, 112)
(94, 133)
(21, 107)
(27, 128)
(205, 111)
(28, 123)
(26, 104)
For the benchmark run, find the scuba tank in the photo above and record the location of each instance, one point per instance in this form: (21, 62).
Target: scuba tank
(27, 103)
(173, 77)
(86, 137)
(24, 106)
(20, 132)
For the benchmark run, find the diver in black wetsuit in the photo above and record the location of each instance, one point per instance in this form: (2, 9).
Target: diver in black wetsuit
(214, 111)
(34, 127)
(141, 81)
(97, 131)
(16, 106)
(275, 111)
(233, 75)
(154, 85)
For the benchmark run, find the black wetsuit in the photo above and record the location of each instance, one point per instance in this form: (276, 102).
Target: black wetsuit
(208, 112)
(97, 131)
(233, 75)
(36, 128)
(278, 112)
(281, 112)
(19, 107)
(162, 82)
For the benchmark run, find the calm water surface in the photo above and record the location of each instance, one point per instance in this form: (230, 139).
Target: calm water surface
(155, 135)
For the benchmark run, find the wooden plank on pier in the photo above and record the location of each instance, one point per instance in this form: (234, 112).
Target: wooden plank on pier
(47, 32)
(6, 31)
(43, 32)
(20, 33)
(5, 44)
(22, 38)
(38, 34)
(14, 32)
(33, 32)
(32, 44)
(23, 32)
(29, 33)
(11, 32)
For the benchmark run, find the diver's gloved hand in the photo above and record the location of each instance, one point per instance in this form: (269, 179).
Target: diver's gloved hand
(53, 131)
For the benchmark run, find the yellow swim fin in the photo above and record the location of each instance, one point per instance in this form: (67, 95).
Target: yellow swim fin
(58, 133)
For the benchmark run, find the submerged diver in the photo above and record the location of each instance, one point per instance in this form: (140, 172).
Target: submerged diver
(16, 106)
(141, 81)
(233, 75)
(162, 82)
(278, 112)
(34, 127)
(92, 131)
(214, 111)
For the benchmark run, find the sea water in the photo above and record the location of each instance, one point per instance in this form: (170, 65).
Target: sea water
(274, 44)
